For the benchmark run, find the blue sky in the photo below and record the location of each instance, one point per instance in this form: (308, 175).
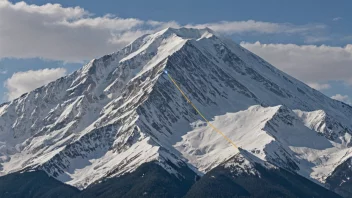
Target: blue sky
(310, 40)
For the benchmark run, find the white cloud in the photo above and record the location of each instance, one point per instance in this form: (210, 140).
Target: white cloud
(231, 27)
(53, 32)
(343, 98)
(319, 86)
(309, 63)
(337, 19)
(316, 39)
(72, 34)
(23, 82)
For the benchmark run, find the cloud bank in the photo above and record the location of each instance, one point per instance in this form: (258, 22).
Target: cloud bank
(319, 86)
(23, 82)
(343, 98)
(310, 63)
(73, 34)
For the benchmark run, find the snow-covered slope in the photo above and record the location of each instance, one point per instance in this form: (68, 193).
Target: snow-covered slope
(120, 111)
(273, 134)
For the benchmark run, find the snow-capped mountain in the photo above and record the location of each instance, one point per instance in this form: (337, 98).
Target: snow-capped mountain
(121, 110)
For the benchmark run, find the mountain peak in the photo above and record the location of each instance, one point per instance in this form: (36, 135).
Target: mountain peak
(189, 33)
(120, 111)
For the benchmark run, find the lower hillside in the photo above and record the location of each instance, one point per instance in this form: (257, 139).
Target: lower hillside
(149, 180)
(235, 178)
(340, 180)
(36, 184)
(223, 182)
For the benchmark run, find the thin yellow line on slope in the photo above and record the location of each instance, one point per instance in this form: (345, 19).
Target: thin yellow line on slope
(195, 108)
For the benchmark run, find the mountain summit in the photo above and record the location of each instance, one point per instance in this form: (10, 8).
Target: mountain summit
(121, 111)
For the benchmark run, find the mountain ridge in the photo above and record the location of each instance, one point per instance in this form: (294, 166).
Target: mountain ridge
(120, 111)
